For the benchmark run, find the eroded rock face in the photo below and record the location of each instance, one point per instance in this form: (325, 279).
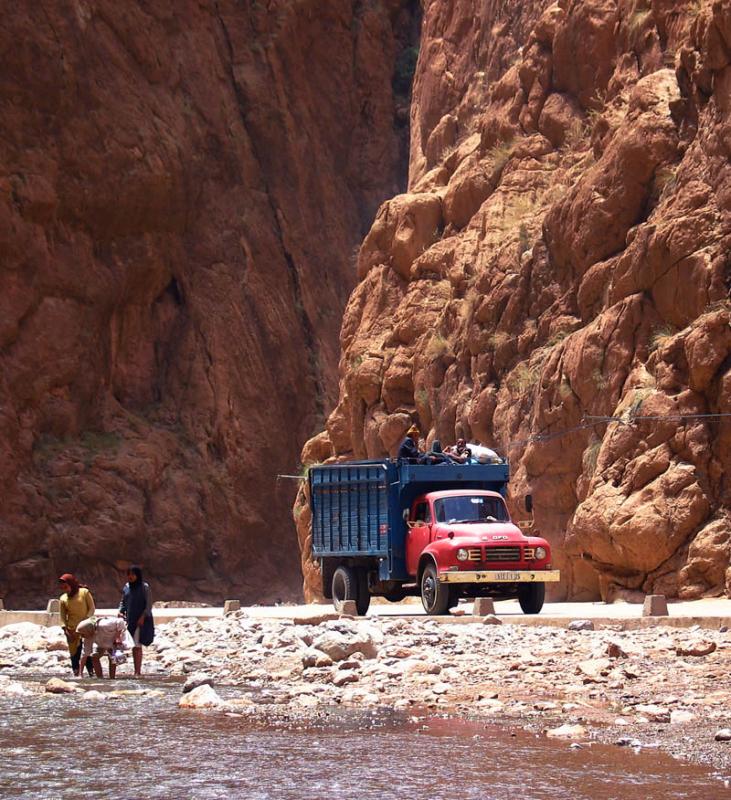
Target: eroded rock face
(560, 258)
(182, 186)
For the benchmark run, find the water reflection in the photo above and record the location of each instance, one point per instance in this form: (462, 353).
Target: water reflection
(135, 747)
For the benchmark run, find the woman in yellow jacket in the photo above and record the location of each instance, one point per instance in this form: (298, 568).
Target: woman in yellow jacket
(76, 604)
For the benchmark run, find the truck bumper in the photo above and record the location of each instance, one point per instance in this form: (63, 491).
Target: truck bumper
(501, 576)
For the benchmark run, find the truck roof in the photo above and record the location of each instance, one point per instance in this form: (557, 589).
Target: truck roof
(436, 493)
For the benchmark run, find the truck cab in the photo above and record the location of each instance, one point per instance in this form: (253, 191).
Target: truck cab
(458, 536)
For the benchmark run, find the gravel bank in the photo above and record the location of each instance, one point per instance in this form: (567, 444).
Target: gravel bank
(657, 687)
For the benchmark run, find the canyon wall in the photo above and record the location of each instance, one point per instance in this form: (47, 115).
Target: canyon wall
(182, 185)
(555, 283)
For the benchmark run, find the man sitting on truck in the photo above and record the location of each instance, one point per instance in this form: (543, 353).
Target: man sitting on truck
(459, 453)
(409, 449)
(436, 455)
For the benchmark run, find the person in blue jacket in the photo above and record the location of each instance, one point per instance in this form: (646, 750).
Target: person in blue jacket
(136, 608)
(409, 448)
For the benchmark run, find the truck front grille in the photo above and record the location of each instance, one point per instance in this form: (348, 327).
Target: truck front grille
(474, 554)
(504, 553)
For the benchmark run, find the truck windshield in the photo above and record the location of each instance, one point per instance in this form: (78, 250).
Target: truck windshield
(470, 508)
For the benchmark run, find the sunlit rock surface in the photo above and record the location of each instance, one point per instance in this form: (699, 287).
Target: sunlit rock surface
(561, 256)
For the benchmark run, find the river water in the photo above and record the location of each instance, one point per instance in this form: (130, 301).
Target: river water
(142, 747)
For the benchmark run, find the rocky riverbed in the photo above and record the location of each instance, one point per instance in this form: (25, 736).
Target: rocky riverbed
(656, 687)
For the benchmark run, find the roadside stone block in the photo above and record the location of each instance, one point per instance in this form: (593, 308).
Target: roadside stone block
(656, 605)
(348, 608)
(53, 606)
(229, 606)
(483, 606)
(491, 619)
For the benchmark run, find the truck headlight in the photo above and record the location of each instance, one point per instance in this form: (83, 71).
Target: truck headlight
(540, 553)
(462, 554)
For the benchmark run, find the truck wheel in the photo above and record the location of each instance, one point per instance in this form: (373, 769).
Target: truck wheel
(531, 597)
(435, 596)
(363, 600)
(350, 584)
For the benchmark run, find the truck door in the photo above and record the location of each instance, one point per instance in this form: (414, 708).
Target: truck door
(418, 535)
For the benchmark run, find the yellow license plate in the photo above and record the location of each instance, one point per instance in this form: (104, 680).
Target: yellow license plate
(507, 576)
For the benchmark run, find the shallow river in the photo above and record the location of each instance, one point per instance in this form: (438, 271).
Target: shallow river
(133, 747)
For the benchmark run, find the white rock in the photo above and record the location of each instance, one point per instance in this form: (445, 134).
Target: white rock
(341, 677)
(22, 630)
(653, 712)
(545, 705)
(57, 686)
(315, 658)
(13, 689)
(202, 697)
(594, 668)
(306, 700)
(681, 715)
(567, 732)
(491, 706)
(339, 646)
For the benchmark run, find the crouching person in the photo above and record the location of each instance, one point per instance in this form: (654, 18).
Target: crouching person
(104, 636)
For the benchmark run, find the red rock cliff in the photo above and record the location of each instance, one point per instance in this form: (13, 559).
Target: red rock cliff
(561, 258)
(181, 187)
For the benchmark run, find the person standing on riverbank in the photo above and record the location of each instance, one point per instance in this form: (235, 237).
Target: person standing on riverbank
(75, 605)
(136, 608)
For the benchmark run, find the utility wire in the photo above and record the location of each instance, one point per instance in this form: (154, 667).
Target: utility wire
(590, 421)
(675, 417)
(547, 437)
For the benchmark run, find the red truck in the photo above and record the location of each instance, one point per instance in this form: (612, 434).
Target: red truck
(390, 529)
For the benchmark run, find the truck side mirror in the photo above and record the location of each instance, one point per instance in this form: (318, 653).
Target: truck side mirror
(529, 503)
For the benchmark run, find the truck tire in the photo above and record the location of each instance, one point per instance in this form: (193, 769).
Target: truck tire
(435, 596)
(363, 600)
(350, 584)
(531, 597)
